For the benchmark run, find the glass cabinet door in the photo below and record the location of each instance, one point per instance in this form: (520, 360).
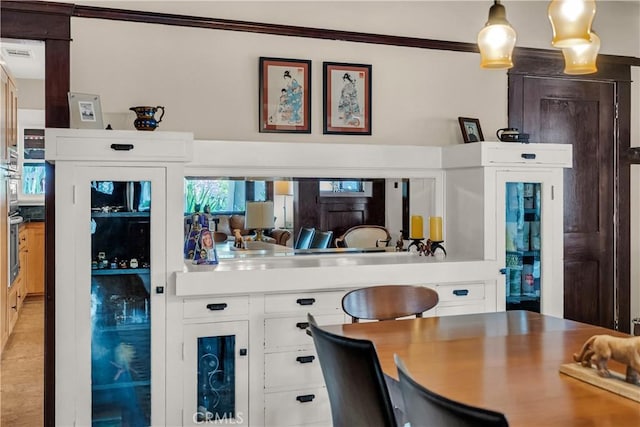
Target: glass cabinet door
(216, 373)
(527, 243)
(120, 259)
(120, 303)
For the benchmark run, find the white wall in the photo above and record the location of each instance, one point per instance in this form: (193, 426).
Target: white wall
(208, 80)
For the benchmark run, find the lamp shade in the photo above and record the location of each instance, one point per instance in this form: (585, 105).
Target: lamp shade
(259, 215)
(581, 59)
(496, 40)
(284, 188)
(571, 21)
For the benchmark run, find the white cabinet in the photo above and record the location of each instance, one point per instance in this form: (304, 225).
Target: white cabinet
(113, 253)
(504, 201)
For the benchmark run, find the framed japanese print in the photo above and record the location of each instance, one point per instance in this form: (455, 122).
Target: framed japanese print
(347, 99)
(285, 95)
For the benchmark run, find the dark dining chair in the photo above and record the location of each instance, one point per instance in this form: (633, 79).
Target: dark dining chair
(305, 236)
(424, 408)
(387, 302)
(359, 392)
(321, 240)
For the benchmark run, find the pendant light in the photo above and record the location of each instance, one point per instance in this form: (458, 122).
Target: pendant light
(496, 40)
(571, 21)
(581, 59)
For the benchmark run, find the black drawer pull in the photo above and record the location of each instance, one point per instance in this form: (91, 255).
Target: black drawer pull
(122, 147)
(305, 398)
(305, 359)
(217, 307)
(306, 301)
(461, 292)
(528, 156)
(503, 271)
(302, 325)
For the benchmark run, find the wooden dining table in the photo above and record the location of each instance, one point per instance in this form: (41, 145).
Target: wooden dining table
(507, 361)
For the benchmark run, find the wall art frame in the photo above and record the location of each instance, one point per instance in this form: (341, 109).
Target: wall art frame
(85, 111)
(285, 95)
(346, 99)
(471, 130)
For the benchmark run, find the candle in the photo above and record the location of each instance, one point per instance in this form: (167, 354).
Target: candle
(435, 228)
(417, 230)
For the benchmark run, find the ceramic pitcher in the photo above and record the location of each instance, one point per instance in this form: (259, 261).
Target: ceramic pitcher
(145, 119)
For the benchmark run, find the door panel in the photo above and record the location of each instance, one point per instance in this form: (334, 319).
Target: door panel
(581, 113)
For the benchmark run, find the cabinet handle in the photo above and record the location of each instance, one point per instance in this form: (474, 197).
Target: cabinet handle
(217, 307)
(305, 359)
(503, 271)
(305, 398)
(302, 325)
(528, 156)
(306, 301)
(122, 147)
(461, 292)
(159, 289)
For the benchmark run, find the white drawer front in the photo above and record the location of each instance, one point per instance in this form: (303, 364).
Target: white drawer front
(286, 409)
(452, 310)
(304, 302)
(292, 331)
(215, 307)
(73, 148)
(292, 368)
(460, 292)
(522, 154)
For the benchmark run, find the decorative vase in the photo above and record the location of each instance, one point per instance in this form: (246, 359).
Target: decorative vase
(145, 119)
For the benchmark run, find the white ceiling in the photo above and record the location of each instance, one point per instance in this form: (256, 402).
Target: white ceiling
(24, 58)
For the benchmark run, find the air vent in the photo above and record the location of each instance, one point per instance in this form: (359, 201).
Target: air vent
(18, 53)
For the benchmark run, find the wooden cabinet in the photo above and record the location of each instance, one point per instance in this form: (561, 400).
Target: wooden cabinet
(9, 115)
(33, 264)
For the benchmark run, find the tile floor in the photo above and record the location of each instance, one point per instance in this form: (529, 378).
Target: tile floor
(22, 369)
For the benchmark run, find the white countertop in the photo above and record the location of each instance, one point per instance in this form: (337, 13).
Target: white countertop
(326, 271)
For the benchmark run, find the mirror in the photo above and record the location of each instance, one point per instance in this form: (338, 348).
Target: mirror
(323, 204)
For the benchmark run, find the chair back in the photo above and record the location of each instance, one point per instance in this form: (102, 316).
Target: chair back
(386, 302)
(364, 236)
(424, 408)
(358, 394)
(321, 239)
(305, 236)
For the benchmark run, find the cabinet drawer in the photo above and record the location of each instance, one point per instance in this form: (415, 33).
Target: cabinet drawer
(460, 292)
(292, 368)
(304, 302)
(297, 407)
(215, 307)
(117, 145)
(454, 310)
(292, 331)
(523, 154)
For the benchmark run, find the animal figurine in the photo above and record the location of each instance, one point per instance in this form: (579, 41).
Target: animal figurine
(400, 243)
(600, 348)
(237, 242)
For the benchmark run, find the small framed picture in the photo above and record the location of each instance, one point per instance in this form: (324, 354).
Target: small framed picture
(85, 111)
(471, 130)
(347, 99)
(285, 95)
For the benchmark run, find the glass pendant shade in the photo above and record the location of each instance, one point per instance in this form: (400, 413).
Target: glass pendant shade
(582, 59)
(571, 21)
(496, 40)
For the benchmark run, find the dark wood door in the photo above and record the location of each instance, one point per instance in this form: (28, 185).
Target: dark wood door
(581, 113)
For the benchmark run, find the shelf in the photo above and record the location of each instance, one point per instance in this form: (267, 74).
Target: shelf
(125, 327)
(115, 386)
(535, 252)
(521, 298)
(120, 214)
(119, 271)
